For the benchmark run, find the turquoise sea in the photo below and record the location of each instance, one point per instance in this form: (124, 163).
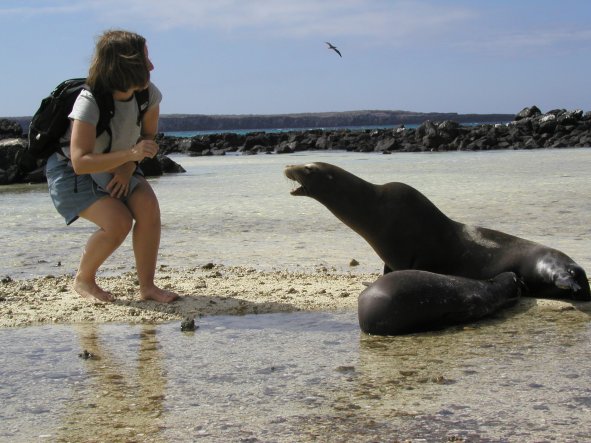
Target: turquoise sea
(274, 130)
(524, 376)
(279, 130)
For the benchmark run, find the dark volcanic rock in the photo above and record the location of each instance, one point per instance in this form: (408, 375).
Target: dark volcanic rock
(11, 152)
(159, 165)
(16, 166)
(10, 129)
(534, 111)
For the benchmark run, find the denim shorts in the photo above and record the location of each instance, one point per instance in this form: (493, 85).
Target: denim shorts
(71, 193)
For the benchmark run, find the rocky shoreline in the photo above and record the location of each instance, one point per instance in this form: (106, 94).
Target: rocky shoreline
(530, 129)
(17, 166)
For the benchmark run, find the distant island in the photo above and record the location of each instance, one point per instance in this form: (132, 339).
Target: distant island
(200, 122)
(197, 122)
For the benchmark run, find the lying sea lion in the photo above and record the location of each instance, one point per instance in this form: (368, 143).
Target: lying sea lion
(411, 301)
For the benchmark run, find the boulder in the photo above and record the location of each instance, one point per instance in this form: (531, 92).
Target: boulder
(570, 117)
(547, 123)
(532, 111)
(10, 129)
(387, 144)
(11, 152)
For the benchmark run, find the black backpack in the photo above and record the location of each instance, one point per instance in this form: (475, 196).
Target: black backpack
(51, 121)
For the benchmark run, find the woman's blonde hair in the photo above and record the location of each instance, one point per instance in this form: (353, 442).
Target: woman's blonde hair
(119, 63)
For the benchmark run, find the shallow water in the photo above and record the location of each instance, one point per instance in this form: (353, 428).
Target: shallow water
(299, 377)
(302, 377)
(236, 210)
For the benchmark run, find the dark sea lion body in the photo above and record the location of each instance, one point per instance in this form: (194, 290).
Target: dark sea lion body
(411, 301)
(408, 231)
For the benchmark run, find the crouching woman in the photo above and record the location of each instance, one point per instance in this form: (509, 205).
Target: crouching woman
(108, 188)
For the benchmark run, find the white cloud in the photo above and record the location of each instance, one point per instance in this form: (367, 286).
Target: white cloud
(550, 37)
(392, 22)
(556, 40)
(20, 8)
(300, 18)
(375, 19)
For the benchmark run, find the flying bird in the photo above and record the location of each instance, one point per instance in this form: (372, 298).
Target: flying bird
(334, 48)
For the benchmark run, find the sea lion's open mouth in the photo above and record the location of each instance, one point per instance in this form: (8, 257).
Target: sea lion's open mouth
(299, 188)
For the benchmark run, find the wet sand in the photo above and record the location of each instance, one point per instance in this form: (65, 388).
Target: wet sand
(209, 290)
(205, 291)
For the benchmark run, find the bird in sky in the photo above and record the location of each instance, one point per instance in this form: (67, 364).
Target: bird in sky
(334, 48)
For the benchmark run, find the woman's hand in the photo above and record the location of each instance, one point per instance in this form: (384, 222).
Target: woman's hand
(143, 149)
(119, 185)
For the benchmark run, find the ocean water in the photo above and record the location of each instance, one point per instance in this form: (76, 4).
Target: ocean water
(237, 210)
(522, 375)
(276, 130)
(280, 130)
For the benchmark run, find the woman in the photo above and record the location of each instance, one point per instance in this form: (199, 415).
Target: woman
(119, 194)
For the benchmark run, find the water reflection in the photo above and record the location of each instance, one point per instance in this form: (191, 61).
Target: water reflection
(502, 379)
(116, 401)
(521, 376)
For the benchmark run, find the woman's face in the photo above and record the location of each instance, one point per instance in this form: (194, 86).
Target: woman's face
(150, 65)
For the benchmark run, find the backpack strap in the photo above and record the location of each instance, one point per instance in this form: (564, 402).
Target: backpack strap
(143, 101)
(106, 106)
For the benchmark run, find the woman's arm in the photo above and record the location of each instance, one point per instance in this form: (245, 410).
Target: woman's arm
(150, 123)
(85, 161)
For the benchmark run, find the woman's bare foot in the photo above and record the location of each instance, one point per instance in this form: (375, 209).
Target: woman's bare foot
(91, 291)
(159, 295)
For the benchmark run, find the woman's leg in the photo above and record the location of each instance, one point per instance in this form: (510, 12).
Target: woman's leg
(143, 204)
(114, 221)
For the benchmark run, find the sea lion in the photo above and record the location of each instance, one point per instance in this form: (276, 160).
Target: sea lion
(408, 231)
(411, 301)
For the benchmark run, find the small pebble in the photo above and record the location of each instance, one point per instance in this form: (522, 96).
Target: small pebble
(86, 355)
(188, 324)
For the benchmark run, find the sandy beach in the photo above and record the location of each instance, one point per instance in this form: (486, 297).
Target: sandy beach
(208, 290)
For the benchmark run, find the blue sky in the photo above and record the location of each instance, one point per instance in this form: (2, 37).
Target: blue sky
(269, 56)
